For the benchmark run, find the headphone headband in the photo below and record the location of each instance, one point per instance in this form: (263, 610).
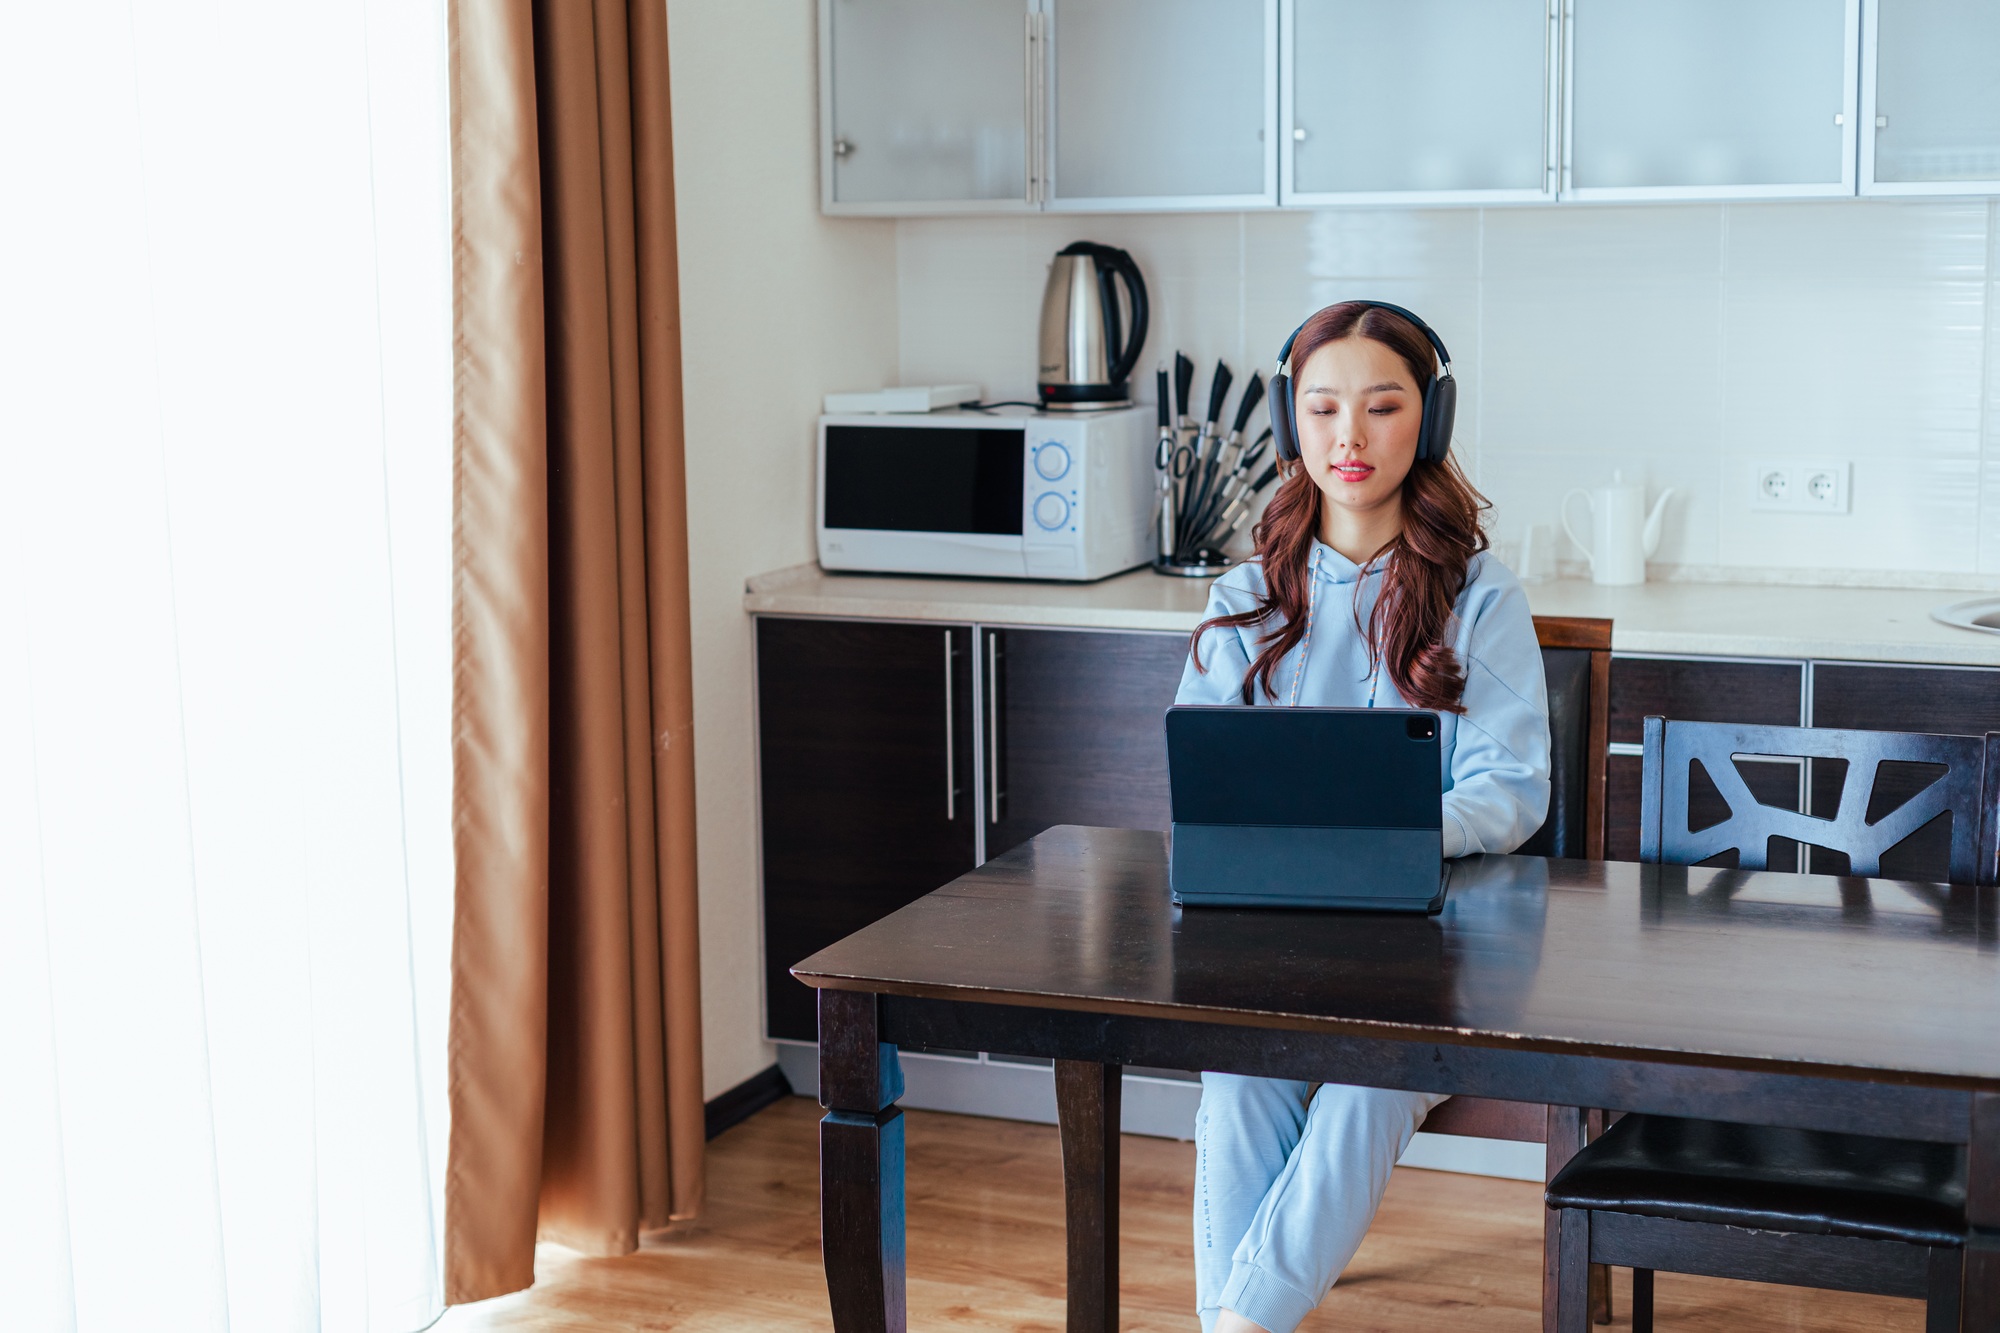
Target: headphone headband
(1440, 397)
(1430, 335)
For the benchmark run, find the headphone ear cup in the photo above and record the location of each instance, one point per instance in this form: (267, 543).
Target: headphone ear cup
(1284, 431)
(1440, 410)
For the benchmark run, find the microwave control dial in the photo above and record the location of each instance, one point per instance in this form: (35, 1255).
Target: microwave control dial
(1051, 510)
(1051, 461)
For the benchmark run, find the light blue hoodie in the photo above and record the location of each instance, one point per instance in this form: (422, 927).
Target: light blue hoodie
(1495, 754)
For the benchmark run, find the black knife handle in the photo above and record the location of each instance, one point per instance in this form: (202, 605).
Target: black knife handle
(1160, 392)
(1183, 381)
(1218, 392)
(1253, 394)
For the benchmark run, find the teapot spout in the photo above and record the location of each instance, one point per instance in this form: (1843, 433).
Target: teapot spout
(1653, 522)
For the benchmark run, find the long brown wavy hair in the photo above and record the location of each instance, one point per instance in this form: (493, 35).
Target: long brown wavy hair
(1409, 630)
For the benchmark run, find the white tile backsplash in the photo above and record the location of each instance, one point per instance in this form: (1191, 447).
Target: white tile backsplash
(1677, 343)
(1530, 487)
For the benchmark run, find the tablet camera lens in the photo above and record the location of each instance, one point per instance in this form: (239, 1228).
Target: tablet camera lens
(1421, 728)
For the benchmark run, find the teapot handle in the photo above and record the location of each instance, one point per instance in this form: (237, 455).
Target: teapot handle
(1589, 504)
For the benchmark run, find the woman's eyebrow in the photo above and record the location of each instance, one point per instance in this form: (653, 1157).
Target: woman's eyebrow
(1373, 388)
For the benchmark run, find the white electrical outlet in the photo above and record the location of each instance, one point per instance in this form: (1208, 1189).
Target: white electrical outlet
(1790, 487)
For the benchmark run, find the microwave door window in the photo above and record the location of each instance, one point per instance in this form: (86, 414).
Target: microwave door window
(924, 479)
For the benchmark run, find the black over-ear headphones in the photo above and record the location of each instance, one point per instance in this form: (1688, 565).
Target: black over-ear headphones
(1440, 399)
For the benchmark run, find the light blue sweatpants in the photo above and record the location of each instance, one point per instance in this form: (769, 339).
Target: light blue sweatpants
(1285, 1187)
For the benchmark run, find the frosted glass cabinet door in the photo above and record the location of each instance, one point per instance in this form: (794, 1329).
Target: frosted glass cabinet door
(923, 103)
(1710, 98)
(1931, 98)
(1418, 100)
(1163, 103)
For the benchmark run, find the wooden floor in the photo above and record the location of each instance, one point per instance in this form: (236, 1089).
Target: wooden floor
(986, 1250)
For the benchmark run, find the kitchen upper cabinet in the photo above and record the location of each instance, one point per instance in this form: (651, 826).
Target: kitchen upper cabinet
(1418, 101)
(1930, 97)
(865, 759)
(924, 106)
(1175, 105)
(1162, 103)
(1710, 99)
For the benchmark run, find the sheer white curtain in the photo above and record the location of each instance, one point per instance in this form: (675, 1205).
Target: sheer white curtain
(225, 563)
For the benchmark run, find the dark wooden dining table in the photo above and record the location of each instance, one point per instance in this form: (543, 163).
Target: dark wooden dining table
(1820, 1002)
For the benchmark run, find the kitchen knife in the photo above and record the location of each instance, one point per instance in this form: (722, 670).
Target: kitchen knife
(1185, 433)
(1234, 480)
(1207, 446)
(1230, 453)
(1218, 394)
(1253, 394)
(1243, 501)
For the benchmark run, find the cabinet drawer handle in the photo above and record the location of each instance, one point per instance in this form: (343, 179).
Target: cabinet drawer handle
(993, 727)
(950, 751)
(1032, 96)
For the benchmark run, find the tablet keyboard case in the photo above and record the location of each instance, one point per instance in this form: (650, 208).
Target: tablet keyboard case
(1306, 807)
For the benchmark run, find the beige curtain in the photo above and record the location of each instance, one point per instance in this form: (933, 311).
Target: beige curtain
(575, 1054)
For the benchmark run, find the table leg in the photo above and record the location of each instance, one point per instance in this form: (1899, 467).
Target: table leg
(1565, 1138)
(1087, 1105)
(1979, 1306)
(860, 1167)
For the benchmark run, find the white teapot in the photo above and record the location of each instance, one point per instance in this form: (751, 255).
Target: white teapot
(1622, 533)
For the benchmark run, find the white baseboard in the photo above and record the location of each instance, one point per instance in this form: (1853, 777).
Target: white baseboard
(1159, 1107)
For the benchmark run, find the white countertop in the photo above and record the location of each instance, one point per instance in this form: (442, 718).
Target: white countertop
(1682, 618)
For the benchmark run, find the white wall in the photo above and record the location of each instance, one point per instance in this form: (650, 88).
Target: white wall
(778, 306)
(1681, 342)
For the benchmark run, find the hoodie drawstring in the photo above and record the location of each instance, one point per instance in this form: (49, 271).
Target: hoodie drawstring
(1305, 642)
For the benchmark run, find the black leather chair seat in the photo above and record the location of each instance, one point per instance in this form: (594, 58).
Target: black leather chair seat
(1770, 1179)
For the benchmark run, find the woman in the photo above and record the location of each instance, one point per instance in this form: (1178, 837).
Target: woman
(1371, 587)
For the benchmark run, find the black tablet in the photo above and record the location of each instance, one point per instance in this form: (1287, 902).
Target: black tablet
(1307, 807)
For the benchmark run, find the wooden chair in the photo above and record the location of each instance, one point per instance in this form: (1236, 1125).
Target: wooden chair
(1755, 1202)
(1576, 660)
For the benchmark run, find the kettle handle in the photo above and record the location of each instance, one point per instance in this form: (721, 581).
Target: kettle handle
(1589, 504)
(1120, 263)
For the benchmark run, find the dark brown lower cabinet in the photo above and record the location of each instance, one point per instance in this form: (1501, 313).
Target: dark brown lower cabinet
(1079, 720)
(1699, 690)
(865, 756)
(1962, 701)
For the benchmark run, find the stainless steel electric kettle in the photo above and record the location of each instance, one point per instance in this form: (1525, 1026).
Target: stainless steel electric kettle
(1085, 356)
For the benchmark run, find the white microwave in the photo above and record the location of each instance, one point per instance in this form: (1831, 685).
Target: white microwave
(1022, 495)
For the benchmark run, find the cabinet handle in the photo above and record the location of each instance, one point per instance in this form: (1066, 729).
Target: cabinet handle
(1551, 61)
(993, 727)
(950, 750)
(1031, 96)
(842, 147)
